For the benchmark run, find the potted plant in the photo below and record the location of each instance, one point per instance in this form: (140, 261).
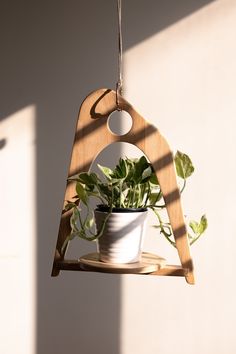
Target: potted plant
(125, 194)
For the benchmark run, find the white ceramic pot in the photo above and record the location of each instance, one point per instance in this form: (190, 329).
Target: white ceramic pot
(122, 238)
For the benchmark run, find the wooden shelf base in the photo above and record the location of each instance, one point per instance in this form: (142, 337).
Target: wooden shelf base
(150, 264)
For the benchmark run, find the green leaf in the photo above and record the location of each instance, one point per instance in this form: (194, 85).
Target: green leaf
(115, 181)
(81, 193)
(154, 198)
(203, 224)
(89, 222)
(105, 191)
(194, 226)
(73, 220)
(147, 173)
(69, 206)
(199, 227)
(153, 179)
(88, 178)
(139, 168)
(106, 171)
(183, 164)
(121, 169)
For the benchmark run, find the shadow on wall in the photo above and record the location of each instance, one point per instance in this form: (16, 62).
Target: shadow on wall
(53, 54)
(3, 143)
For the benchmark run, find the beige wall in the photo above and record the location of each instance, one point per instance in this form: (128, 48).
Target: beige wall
(183, 79)
(180, 74)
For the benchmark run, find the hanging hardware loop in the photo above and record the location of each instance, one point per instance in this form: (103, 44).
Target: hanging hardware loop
(118, 93)
(119, 84)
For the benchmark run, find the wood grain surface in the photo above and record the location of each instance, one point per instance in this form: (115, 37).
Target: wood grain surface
(148, 263)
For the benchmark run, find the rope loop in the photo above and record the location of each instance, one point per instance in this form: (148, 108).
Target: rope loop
(119, 84)
(119, 91)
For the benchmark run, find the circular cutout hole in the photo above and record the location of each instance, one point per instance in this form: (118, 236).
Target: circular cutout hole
(119, 122)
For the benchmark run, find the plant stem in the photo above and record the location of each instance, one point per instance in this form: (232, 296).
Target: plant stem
(194, 239)
(184, 185)
(133, 197)
(167, 236)
(138, 196)
(80, 221)
(156, 206)
(120, 193)
(146, 199)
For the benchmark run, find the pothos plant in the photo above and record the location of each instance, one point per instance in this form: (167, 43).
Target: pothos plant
(131, 184)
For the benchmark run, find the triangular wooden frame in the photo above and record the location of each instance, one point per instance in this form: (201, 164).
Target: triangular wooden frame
(92, 135)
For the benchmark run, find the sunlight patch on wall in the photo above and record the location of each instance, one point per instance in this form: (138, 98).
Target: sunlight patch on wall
(18, 232)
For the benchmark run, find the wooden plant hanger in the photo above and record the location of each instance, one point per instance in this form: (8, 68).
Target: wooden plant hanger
(93, 135)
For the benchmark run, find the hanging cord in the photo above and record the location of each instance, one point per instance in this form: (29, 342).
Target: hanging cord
(119, 84)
